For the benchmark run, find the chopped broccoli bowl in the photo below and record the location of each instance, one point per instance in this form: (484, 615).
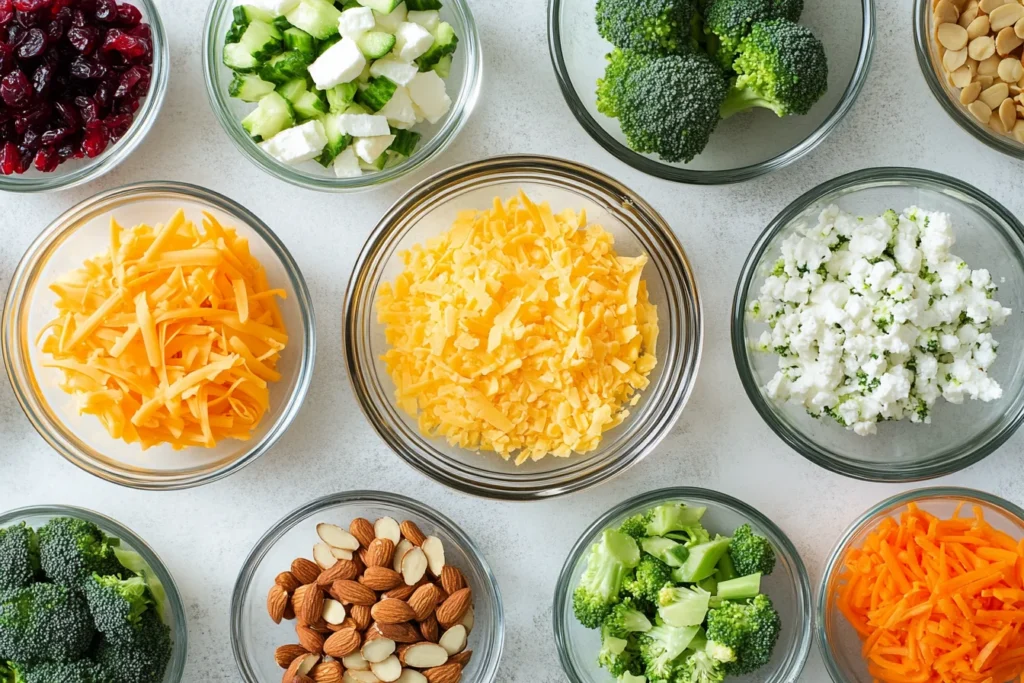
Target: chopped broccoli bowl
(674, 589)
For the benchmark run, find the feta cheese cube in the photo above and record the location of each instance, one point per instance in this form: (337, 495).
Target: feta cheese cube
(428, 19)
(411, 41)
(298, 144)
(389, 22)
(355, 22)
(364, 125)
(275, 7)
(368, 149)
(399, 109)
(395, 70)
(346, 164)
(427, 92)
(340, 63)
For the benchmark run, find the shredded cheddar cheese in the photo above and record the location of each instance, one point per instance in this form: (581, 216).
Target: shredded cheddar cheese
(169, 337)
(519, 331)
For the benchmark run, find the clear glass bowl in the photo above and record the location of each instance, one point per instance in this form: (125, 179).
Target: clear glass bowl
(76, 172)
(463, 86)
(743, 146)
(988, 236)
(788, 586)
(254, 636)
(83, 231)
(947, 95)
(173, 608)
(429, 209)
(838, 641)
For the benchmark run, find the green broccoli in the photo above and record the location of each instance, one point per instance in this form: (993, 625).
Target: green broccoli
(655, 27)
(727, 23)
(670, 552)
(661, 648)
(72, 549)
(19, 556)
(683, 605)
(635, 526)
(631, 678)
(619, 656)
(650, 577)
(787, 9)
(601, 583)
(750, 553)
(117, 605)
(700, 667)
(780, 66)
(79, 671)
(142, 660)
(43, 622)
(743, 635)
(667, 106)
(740, 588)
(670, 517)
(625, 619)
(702, 561)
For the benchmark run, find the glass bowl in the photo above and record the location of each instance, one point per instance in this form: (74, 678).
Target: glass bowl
(788, 586)
(743, 146)
(76, 172)
(254, 636)
(173, 608)
(83, 231)
(428, 210)
(463, 86)
(946, 93)
(988, 236)
(838, 641)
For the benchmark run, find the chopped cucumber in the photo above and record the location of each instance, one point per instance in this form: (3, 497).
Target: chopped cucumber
(421, 5)
(443, 68)
(272, 115)
(238, 58)
(337, 139)
(405, 142)
(319, 18)
(375, 44)
(382, 6)
(365, 75)
(309, 105)
(298, 40)
(284, 67)
(356, 109)
(282, 23)
(249, 87)
(389, 22)
(445, 42)
(350, 4)
(377, 164)
(325, 45)
(241, 16)
(376, 94)
(293, 89)
(340, 97)
(262, 40)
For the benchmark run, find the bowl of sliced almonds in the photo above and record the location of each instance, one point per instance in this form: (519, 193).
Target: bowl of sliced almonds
(366, 587)
(972, 55)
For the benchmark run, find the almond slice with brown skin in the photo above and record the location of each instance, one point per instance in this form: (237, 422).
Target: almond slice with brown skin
(309, 603)
(454, 639)
(300, 666)
(287, 581)
(454, 608)
(423, 601)
(277, 602)
(355, 662)
(360, 614)
(381, 553)
(311, 641)
(387, 671)
(305, 571)
(378, 649)
(452, 579)
(462, 658)
(327, 672)
(414, 566)
(389, 611)
(400, 633)
(342, 644)
(352, 593)
(433, 548)
(343, 570)
(333, 612)
(381, 578)
(286, 654)
(430, 629)
(412, 532)
(336, 537)
(323, 555)
(362, 529)
(401, 549)
(449, 673)
(424, 655)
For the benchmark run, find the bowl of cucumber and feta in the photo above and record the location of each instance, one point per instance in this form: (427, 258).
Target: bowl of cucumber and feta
(341, 95)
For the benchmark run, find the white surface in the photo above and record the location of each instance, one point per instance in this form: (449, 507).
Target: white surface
(720, 442)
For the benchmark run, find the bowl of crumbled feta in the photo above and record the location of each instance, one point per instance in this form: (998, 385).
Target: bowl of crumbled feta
(877, 325)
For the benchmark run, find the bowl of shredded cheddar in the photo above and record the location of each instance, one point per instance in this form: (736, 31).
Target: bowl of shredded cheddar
(522, 327)
(159, 336)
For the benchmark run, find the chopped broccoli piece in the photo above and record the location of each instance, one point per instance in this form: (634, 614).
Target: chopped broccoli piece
(748, 631)
(601, 582)
(141, 660)
(631, 678)
(72, 549)
(750, 553)
(661, 648)
(727, 23)
(80, 671)
(670, 552)
(44, 622)
(650, 577)
(117, 605)
(625, 619)
(19, 556)
(656, 27)
(726, 570)
(683, 606)
(635, 526)
(702, 561)
(619, 656)
(670, 517)
(741, 588)
(700, 667)
(787, 9)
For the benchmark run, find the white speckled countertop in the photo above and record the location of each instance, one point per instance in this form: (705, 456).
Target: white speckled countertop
(720, 443)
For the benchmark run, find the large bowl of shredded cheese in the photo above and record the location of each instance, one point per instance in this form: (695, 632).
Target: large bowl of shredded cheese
(522, 327)
(159, 336)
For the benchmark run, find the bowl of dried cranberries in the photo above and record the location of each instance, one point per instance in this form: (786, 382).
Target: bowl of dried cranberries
(81, 82)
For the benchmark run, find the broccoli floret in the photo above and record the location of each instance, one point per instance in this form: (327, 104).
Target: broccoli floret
(661, 648)
(750, 553)
(700, 667)
(631, 678)
(702, 561)
(654, 27)
(683, 605)
(665, 105)
(19, 556)
(117, 605)
(80, 671)
(619, 656)
(601, 583)
(650, 577)
(787, 9)
(625, 619)
(636, 527)
(670, 517)
(141, 660)
(780, 66)
(747, 631)
(73, 549)
(728, 22)
(43, 622)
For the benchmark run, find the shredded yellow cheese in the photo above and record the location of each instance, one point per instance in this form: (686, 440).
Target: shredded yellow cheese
(169, 337)
(519, 331)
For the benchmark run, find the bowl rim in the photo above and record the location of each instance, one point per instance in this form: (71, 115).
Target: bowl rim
(179, 654)
(922, 44)
(142, 123)
(16, 364)
(683, 493)
(554, 170)
(875, 472)
(709, 177)
(369, 497)
(871, 515)
(431, 149)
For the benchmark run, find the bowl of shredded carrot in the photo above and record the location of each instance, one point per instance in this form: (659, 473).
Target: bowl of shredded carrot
(927, 587)
(159, 336)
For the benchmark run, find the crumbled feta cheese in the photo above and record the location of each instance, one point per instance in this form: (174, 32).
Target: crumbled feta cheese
(275, 7)
(399, 109)
(427, 92)
(389, 22)
(364, 125)
(411, 41)
(428, 19)
(346, 164)
(356, 21)
(297, 144)
(340, 63)
(874, 319)
(368, 149)
(395, 70)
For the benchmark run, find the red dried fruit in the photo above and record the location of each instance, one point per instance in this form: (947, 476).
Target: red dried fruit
(128, 15)
(31, 5)
(6, 11)
(34, 44)
(47, 159)
(6, 58)
(10, 159)
(15, 90)
(106, 10)
(95, 139)
(83, 38)
(117, 125)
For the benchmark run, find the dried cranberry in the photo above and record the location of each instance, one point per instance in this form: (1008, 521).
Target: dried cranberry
(128, 105)
(128, 45)
(15, 90)
(6, 11)
(104, 94)
(83, 38)
(10, 159)
(118, 125)
(106, 11)
(95, 139)
(69, 115)
(33, 119)
(42, 79)
(55, 31)
(65, 152)
(6, 58)
(87, 109)
(34, 44)
(59, 6)
(128, 15)
(141, 31)
(86, 69)
(78, 17)
(30, 140)
(31, 5)
(47, 159)
(129, 79)
(15, 34)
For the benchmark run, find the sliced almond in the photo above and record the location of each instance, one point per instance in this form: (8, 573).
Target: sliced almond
(378, 649)
(454, 639)
(980, 111)
(433, 548)
(462, 659)
(961, 78)
(951, 36)
(333, 535)
(341, 553)
(414, 566)
(411, 676)
(334, 612)
(988, 6)
(968, 14)
(954, 59)
(945, 12)
(988, 67)
(469, 620)
(1011, 70)
(323, 556)
(363, 677)
(286, 654)
(981, 48)
(978, 27)
(411, 531)
(386, 527)
(388, 671)
(401, 549)
(424, 655)
(1007, 114)
(355, 662)
(1018, 28)
(994, 95)
(300, 666)
(1018, 128)
(1007, 41)
(1005, 15)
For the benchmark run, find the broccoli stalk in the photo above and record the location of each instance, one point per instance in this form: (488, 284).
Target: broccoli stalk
(742, 588)
(19, 557)
(743, 635)
(670, 552)
(683, 605)
(601, 582)
(702, 561)
(655, 27)
(117, 605)
(670, 517)
(750, 553)
(625, 619)
(661, 648)
(619, 656)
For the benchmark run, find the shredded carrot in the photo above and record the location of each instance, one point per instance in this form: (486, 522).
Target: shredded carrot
(170, 335)
(937, 600)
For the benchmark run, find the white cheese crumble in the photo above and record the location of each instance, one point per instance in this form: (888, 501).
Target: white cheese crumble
(874, 319)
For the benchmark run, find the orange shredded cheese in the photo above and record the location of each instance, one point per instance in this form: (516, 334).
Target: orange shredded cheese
(169, 337)
(519, 331)
(937, 600)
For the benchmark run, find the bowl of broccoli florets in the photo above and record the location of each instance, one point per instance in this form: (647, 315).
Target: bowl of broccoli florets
(84, 600)
(709, 91)
(683, 585)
